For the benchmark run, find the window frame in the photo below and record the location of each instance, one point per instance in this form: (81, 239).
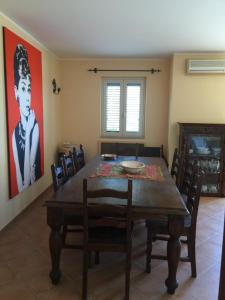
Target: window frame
(123, 81)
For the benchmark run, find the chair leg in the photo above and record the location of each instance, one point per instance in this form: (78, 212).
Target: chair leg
(149, 250)
(64, 233)
(128, 268)
(85, 274)
(192, 255)
(89, 260)
(97, 258)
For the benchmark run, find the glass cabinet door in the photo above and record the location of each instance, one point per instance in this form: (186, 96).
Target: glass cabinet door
(205, 145)
(207, 151)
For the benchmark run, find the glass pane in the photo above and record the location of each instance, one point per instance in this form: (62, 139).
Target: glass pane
(133, 108)
(113, 108)
(205, 145)
(210, 188)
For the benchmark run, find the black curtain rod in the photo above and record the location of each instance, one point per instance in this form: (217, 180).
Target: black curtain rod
(95, 70)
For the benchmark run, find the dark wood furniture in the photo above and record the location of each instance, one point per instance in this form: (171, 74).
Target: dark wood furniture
(132, 149)
(58, 176)
(68, 165)
(150, 199)
(222, 269)
(78, 157)
(126, 149)
(109, 233)
(205, 143)
(176, 167)
(71, 223)
(158, 228)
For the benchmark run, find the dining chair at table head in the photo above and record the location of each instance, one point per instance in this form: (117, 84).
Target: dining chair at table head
(153, 152)
(158, 229)
(107, 226)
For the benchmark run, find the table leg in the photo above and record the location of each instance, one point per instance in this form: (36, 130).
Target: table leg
(173, 255)
(55, 242)
(173, 252)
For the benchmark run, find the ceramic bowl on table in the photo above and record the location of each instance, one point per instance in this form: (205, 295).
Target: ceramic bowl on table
(132, 166)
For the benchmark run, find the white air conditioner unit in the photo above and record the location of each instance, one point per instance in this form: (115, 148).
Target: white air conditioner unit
(205, 66)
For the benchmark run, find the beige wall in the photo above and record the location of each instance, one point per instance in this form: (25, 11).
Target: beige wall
(81, 99)
(9, 208)
(194, 97)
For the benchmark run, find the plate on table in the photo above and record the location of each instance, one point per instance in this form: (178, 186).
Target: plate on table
(132, 166)
(109, 156)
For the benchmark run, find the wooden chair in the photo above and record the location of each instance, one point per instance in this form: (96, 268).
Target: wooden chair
(159, 228)
(68, 165)
(70, 223)
(58, 176)
(111, 233)
(177, 167)
(124, 149)
(78, 158)
(152, 152)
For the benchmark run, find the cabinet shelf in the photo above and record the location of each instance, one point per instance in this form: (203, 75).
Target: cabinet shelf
(205, 143)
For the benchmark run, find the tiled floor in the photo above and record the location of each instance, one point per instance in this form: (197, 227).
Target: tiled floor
(25, 262)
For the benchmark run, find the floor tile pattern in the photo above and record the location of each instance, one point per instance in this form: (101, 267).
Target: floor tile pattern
(25, 262)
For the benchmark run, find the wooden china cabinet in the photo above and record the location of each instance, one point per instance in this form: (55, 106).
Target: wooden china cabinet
(205, 143)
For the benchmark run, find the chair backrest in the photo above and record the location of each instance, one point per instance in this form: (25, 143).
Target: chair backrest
(186, 176)
(177, 166)
(152, 151)
(78, 157)
(107, 215)
(68, 165)
(58, 176)
(194, 196)
(126, 149)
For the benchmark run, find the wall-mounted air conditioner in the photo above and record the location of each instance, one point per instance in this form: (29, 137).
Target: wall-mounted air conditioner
(205, 66)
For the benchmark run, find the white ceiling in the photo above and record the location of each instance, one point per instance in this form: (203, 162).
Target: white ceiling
(121, 28)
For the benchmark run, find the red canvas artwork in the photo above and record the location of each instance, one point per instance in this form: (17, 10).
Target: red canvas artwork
(23, 79)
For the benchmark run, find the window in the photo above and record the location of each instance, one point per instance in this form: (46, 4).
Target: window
(123, 107)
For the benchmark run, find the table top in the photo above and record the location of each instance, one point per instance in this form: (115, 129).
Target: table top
(149, 196)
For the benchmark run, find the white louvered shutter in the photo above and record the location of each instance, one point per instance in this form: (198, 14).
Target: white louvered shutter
(113, 107)
(133, 105)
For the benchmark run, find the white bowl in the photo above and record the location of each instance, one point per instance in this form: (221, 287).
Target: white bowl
(132, 166)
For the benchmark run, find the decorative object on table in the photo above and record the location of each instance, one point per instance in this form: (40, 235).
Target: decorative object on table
(132, 167)
(206, 144)
(149, 172)
(23, 77)
(109, 156)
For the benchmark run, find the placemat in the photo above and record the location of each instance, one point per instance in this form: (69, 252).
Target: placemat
(150, 172)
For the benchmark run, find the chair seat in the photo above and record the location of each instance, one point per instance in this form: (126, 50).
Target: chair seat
(107, 235)
(162, 223)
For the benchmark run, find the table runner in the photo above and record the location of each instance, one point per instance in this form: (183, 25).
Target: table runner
(150, 172)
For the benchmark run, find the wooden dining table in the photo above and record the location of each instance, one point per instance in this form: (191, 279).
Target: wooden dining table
(151, 198)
